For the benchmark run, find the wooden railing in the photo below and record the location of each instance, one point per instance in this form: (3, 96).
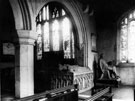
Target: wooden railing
(69, 93)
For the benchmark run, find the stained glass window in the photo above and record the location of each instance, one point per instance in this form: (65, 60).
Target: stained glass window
(131, 42)
(63, 12)
(39, 42)
(54, 30)
(73, 48)
(127, 38)
(66, 38)
(46, 37)
(123, 43)
(55, 35)
(134, 14)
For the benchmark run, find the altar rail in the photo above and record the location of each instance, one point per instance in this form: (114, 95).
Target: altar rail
(69, 93)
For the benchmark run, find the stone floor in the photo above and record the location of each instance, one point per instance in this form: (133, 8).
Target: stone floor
(123, 93)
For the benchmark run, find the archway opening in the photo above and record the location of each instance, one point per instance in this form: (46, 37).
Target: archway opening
(7, 48)
(57, 42)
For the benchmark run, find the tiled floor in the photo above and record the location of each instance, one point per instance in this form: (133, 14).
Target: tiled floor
(123, 93)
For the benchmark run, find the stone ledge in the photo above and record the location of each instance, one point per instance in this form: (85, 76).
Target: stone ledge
(125, 65)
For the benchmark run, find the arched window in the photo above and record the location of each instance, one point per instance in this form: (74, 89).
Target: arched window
(55, 31)
(127, 38)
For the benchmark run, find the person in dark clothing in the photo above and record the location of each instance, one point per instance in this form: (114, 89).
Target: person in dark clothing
(112, 70)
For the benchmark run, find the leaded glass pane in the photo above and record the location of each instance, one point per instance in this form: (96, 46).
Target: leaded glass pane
(130, 16)
(134, 14)
(73, 48)
(126, 21)
(123, 43)
(47, 12)
(131, 42)
(40, 16)
(46, 37)
(66, 38)
(39, 31)
(57, 14)
(55, 35)
(44, 13)
(39, 42)
(63, 12)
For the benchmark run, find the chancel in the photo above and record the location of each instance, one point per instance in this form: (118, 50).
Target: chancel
(49, 50)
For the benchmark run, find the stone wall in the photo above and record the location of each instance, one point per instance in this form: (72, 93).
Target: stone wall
(106, 43)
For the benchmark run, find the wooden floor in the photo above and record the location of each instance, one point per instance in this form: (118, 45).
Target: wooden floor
(123, 93)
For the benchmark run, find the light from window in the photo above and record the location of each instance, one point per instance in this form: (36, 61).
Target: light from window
(47, 12)
(123, 44)
(44, 13)
(73, 46)
(63, 12)
(40, 17)
(134, 14)
(46, 37)
(127, 38)
(66, 38)
(126, 21)
(39, 42)
(54, 32)
(130, 16)
(55, 35)
(131, 42)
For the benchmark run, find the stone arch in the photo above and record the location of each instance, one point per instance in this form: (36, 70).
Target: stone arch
(75, 12)
(21, 14)
(24, 19)
(123, 16)
(77, 16)
(17, 14)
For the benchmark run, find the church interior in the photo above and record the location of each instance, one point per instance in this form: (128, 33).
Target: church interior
(50, 49)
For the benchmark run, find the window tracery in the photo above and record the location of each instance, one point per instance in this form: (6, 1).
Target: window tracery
(55, 32)
(127, 38)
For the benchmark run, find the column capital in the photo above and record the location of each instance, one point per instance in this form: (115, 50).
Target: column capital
(26, 36)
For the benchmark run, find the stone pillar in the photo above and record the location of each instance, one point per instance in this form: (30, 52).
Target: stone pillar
(24, 63)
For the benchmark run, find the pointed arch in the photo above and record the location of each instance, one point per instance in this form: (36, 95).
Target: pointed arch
(125, 37)
(77, 19)
(21, 14)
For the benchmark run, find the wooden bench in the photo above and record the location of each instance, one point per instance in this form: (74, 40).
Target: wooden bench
(108, 82)
(106, 97)
(97, 95)
(69, 93)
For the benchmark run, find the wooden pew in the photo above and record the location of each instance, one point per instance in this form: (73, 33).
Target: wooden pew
(69, 93)
(102, 93)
